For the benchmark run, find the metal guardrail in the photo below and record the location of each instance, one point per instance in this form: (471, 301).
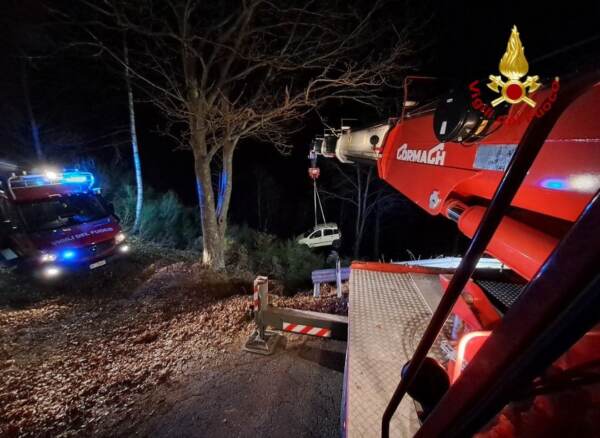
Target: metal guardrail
(329, 275)
(337, 274)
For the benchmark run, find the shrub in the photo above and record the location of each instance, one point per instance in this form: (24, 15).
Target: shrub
(165, 220)
(265, 254)
(298, 263)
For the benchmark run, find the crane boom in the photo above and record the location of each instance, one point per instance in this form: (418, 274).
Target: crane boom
(457, 178)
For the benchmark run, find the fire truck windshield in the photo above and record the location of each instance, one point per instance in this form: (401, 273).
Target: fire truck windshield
(54, 213)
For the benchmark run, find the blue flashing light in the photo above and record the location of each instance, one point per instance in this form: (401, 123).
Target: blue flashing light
(79, 181)
(76, 179)
(69, 254)
(554, 184)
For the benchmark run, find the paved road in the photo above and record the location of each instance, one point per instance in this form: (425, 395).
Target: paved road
(294, 393)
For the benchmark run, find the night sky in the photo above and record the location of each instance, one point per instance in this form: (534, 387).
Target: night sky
(460, 41)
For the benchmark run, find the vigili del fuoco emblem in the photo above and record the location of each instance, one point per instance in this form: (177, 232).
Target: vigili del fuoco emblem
(514, 66)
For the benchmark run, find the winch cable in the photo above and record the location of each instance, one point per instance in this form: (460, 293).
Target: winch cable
(314, 174)
(318, 199)
(315, 199)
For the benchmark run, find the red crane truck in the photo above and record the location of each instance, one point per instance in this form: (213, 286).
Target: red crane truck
(482, 352)
(494, 353)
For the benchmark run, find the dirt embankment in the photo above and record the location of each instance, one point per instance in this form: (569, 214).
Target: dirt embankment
(78, 361)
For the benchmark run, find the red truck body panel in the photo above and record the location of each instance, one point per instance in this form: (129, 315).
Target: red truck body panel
(562, 180)
(79, 236)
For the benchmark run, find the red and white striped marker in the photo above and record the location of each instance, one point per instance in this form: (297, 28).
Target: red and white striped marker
(258, 282)
(256, 298)
(307, 330)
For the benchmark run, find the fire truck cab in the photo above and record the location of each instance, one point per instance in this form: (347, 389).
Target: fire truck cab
(52, 223)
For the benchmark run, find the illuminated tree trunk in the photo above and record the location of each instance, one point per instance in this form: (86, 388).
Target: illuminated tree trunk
(225, 186)
(137, 165)
(212, 248)
(213, 209)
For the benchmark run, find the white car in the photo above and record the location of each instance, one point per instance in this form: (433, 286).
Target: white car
(321, 235)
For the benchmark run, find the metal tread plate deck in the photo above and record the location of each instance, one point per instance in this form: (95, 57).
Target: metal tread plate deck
(502, 293)
(387, 316)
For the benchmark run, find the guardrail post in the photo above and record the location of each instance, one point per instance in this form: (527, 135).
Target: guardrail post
(316, 290)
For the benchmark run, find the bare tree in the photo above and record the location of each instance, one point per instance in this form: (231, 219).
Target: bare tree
(228, 71)
(359, 187)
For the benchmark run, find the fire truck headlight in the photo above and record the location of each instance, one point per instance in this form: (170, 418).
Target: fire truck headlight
(48, 257)
(51, 272)
(124, 248)
(120, 238)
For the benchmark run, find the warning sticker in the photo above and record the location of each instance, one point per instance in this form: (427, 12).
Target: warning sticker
(494, 157)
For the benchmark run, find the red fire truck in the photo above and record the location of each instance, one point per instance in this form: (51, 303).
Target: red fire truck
(56, 222)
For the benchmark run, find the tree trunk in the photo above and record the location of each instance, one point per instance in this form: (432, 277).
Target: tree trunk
(137, 166)
(227, 185)
(213, 242)
(35, 129)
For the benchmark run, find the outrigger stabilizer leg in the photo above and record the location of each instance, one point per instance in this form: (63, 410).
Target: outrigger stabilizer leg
(302, 322)
(261, 341)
